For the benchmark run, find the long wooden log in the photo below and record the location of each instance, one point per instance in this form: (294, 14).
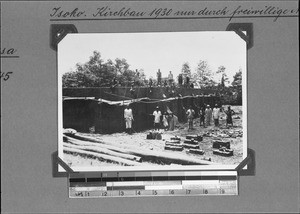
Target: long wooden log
(177, 157)
(103, 156)
(98, 145)
(103, 151)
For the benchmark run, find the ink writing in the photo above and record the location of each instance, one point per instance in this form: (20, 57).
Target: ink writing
(58, 12)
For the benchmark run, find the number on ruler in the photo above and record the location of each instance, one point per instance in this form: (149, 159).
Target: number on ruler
(86, 193)
(138, 192)
(222, 191)
(171, 192)
(154, 192)
(78, 194)
(121, 193)
(205, 191)
(188, 191)
(104, 193)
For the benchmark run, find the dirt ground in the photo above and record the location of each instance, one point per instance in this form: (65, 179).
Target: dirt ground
(210, 133)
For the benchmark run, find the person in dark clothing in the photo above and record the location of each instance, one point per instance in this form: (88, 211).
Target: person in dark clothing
(202, 116)
(113, 85)
(180, 80)
(187, 81)
(229, 116)
(159, 78)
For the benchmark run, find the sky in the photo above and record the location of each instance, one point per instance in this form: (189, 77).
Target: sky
(166, 51)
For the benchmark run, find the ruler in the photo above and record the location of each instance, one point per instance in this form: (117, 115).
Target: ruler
(140, 184)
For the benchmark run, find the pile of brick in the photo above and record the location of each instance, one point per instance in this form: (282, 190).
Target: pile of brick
(190, 144)
(222, 148)
(174, 144)
(154, 136)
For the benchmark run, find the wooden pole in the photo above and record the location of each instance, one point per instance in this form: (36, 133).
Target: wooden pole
(103, 156)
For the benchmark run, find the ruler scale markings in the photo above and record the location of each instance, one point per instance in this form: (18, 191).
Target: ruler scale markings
(129, 184)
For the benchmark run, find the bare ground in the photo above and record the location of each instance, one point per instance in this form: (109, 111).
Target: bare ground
(139, 140)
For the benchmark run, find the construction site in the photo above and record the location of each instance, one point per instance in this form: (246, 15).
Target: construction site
(94, 129)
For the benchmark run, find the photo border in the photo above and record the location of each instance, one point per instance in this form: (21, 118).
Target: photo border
(240, 28)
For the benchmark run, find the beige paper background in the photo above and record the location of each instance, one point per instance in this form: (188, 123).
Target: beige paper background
(29, 113)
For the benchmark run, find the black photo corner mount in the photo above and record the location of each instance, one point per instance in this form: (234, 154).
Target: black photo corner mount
(57, 161)
(238, 28)
(249, 161)
(58, 32)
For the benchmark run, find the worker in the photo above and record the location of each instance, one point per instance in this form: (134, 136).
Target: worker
(216, 115)
(157, 114)
(128, 116)
(229, 113)
(190, 116)
(208, 113)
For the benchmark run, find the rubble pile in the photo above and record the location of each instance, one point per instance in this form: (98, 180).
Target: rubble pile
(223, 133)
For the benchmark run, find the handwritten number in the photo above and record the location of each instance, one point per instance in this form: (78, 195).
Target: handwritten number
(5, 75)
(160, 12)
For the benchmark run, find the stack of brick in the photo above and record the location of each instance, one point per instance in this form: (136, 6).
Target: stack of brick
(222, 148)
(174, 144)
(192, 143)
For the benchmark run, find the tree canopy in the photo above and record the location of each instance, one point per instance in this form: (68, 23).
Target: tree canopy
(97, 73)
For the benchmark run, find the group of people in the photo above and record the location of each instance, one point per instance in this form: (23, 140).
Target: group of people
(168, 120)
(207, 114)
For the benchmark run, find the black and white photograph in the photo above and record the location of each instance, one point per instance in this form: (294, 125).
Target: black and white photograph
(152, 101)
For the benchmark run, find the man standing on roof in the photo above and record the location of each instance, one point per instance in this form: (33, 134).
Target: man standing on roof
(170, 78)
(157, 114)
(128, 116)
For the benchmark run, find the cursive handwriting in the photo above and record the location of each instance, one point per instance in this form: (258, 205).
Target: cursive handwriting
(75, 13)
(237, 11)
(267, 11)
(8, 51)
(123, 12)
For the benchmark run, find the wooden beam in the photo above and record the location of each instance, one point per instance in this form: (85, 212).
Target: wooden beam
(175, 157)
(102, 156)
(103, 151)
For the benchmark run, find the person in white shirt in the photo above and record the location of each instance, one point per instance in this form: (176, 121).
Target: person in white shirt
(128, 116)
(157, 114)
(190, 116)
(216, 115)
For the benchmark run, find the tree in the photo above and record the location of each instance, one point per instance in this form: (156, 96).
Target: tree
(224, 78)
(204, 75)
(237, 79)
(186, 70)
(97, 73)
(237, 87)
